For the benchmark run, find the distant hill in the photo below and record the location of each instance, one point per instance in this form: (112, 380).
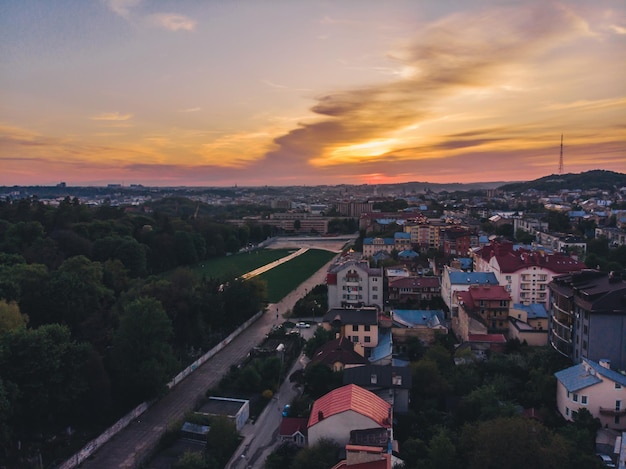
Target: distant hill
(596, 179)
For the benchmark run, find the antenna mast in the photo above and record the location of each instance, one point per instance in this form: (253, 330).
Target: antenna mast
(561, 157)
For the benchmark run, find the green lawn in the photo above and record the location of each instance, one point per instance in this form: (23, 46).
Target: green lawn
(239, 264)
(286, 277)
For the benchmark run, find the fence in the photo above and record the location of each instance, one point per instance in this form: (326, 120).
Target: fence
(122, 423)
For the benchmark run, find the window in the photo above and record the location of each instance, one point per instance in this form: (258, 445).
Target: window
(575, 397)
(567, 411)
(367, 328)
(374, 297)
(618, 386)
(367, 338)
(355, 328)
(618, 405)
(616, 420)
(355, 338)
(583, 400)
(374, 288)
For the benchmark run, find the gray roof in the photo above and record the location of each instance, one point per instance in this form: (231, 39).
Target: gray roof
(362, 376)
(367, 316)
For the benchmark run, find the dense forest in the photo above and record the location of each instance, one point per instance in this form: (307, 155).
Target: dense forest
(99, 310)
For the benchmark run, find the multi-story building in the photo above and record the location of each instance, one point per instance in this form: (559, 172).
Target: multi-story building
(359, 326)
(482, 309)
(453, 281)
(593, 386)
(353, 283)
(425, 233)
(354, 209)
(457, 241)
(524, 273)
(413, 289)
(400, 242)
(588, 316)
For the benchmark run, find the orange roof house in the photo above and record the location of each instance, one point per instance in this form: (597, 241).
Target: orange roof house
(344, 409)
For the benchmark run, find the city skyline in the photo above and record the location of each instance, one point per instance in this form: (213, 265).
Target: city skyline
(248, 93)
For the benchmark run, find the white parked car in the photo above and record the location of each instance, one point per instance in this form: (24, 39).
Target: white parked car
(302, 325)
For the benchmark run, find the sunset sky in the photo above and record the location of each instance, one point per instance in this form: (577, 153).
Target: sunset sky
(290, 92)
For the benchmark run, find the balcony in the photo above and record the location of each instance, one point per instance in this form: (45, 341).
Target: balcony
(612, 411)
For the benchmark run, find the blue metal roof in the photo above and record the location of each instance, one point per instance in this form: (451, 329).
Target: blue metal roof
(473, 278)
(401, 235)
(607, 373)
(466, 262)
(534, 310)
(418, 317)
(384, 347)
(408, 253)
(576, 378)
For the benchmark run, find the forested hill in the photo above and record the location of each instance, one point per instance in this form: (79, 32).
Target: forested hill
(596, 179)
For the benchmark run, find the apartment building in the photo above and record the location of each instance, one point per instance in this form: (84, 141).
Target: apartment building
(524, 273)
(353, 283)
(482, 310)
(588, 316)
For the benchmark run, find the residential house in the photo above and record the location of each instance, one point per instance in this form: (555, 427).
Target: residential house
(482, 310)
(529, 323)
(350, 407)
(353, 283)
(339, 354)
(593, 386)
(360, 326)
(524, 273)
(424, 325)
(294, 430)
(454, 281)
(390, 383)
(588, 316)
(413, 289)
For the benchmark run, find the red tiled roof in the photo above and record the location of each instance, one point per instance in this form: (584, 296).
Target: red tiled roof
(511, 260)
(355, 398)
(471, 297)
(291, 425)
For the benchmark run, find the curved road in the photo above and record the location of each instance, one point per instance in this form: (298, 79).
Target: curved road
(134, 444)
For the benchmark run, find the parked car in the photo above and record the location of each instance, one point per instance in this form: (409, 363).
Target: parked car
(286, 410)
(606, 459)
(302, 325)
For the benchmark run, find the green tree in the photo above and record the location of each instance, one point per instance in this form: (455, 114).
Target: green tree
(321, 455)
(282, 457)
(47, 368)
(191, 460)
(319, 379)
(522, 443)
(142, 355)
(441, 451)
(222, 440)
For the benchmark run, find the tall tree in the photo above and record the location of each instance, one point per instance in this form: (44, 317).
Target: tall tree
(142, 355)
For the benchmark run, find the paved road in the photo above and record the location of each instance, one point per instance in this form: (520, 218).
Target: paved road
(133, 445)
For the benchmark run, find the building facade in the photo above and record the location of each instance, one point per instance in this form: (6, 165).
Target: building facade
(588, 316)
(354, 284)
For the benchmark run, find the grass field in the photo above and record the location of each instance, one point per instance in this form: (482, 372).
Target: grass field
(239, 264)
(286, 277)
